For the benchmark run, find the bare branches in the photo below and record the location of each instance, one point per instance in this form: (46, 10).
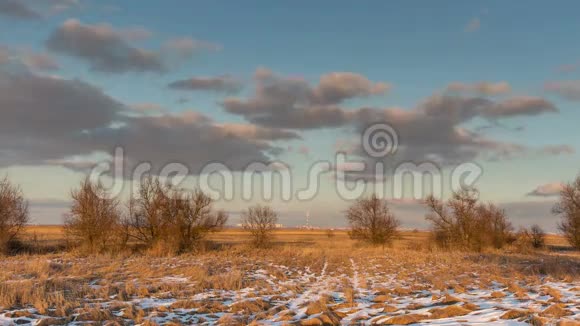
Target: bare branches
(13, 212)
(160, 216)
(164, 214)
(260, 221)
(94, 218)
(464, 223)
(568, 208)
(371, 220)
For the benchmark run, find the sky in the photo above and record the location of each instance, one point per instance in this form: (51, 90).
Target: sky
(493, 84)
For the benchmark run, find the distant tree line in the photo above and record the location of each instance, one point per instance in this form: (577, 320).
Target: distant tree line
(171, 220)
(464, 222)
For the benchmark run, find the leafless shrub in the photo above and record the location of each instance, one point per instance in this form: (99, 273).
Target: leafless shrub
(93, 220)
(532, 238)
(568, 208)
(163, 215)
(192, 217)
(371, 220)
(538, 236)
(13, 213)
(260, 221)
(493, 227)
(464, 223)
(145, 219)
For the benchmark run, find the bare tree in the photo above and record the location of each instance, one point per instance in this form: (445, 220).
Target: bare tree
(371, 220)
(528, 238)
(453, 223)
(164, 214)
(192, 217)
(260, 221)
(13, 213)
(465, 223)
(93, 220)
(568, 208)
(146, 221)
(492, 227)
(537, 236)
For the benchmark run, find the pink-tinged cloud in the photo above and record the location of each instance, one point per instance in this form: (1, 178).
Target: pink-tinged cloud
(568, 89)
(480, 88)
(547, 190)
(473, 25)
(109, 49)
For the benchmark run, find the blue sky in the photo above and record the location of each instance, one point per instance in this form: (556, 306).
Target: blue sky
(418, 48)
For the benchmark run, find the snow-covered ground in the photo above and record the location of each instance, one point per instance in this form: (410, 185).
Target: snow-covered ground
(347, 288)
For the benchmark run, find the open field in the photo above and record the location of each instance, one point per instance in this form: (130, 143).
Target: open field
(307, 278)
(53, 235)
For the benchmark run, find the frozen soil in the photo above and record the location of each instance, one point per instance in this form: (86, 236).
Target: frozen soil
(285, 287)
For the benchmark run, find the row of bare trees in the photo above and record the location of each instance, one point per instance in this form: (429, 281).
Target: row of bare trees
(176, 219)
(462, 222)
(160, 215)
(163, 214)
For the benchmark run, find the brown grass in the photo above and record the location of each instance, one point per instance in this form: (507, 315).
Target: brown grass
(61, 284)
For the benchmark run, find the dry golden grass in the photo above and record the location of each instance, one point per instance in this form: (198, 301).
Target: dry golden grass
(55, 233)
(244, 285)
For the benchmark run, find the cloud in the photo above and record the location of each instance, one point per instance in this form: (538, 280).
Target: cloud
(73, 119)
(185, 47)
(192, 141)
(473, 25)
(108, 49)
(339, 86)
(60, 6)
(103, 47)
(37, 61)
(304, 150)
(58, 105)
(557, 149)
(36, 10)
(51, 124)
(568, 89)
(48, 211)
(256, 132)
(41, 61)
(434, 130)
(567, 68)
(524, 214)
(480, 88)
(5, 55)
(147, 108)
(293, 103)
(18, 9)
(182, 100)
(547, 190)
(136, 33)
(224, 83)
(520, 106)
